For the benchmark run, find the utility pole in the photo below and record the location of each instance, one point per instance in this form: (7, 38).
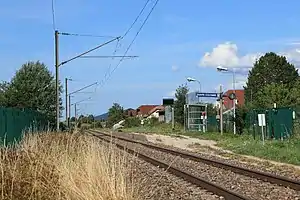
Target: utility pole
(69, 111)
(221, 110)
(57, 80)
(234, 100)
(75, 116)
(66, 84)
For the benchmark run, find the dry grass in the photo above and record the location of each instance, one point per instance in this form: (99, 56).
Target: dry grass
(65, 166)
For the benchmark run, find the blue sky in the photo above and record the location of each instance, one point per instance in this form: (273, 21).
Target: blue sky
(180, 39)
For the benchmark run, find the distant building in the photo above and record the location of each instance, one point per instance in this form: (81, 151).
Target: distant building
(143, 110)
(240, 99)
(157, 112)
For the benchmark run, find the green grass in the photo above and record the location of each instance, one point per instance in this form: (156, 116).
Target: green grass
(287, 151)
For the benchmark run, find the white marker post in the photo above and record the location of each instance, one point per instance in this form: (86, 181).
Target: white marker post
(262, 123)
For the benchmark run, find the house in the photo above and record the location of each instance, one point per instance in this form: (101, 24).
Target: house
(240, 98)
(130, 112)
(157, 112)
(143, 110)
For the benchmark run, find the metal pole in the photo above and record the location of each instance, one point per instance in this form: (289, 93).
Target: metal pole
(57, 80)
(66, 85)
(75, 116)
(199, 98)
(234, 125)
(173, 123)
(221, 110)
(69, 111)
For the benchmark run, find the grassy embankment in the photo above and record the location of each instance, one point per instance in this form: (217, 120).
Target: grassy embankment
(64, 166)
(287, 151)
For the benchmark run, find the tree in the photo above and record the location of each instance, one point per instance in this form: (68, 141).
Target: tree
(91, 118)
(33, 86)
(211, 111)
(280, 94)
(179, 103)
(72, 119)
(115, 114)
(269, 69)
(3, 89)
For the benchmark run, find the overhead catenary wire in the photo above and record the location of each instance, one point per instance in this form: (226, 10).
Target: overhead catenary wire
(133, 40)
(138, 16)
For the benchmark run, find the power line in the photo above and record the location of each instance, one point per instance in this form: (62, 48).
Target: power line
(138, 16)
(143, 24)
(53, 16)
(86, 35)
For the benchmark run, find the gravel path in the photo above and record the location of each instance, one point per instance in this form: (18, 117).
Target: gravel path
(260, 166)
(247, 186)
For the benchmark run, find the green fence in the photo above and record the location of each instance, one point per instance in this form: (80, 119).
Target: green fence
(279, 122)
(14, 122)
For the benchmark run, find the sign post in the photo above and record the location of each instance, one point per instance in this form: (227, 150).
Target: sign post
(262, 124)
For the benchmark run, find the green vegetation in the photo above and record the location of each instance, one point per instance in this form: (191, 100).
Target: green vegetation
(33, 87)
(115, 114)
(179, 103)
(269, 81)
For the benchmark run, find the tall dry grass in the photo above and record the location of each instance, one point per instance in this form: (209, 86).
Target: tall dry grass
(65, 166)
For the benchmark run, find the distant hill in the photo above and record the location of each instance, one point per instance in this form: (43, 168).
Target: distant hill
(102, 117)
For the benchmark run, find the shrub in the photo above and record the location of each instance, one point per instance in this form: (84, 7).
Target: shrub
(132, 122)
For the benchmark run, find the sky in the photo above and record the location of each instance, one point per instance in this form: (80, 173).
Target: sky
(180, 39)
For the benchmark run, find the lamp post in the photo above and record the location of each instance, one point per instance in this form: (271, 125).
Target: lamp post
(190, 79)
(224, 69)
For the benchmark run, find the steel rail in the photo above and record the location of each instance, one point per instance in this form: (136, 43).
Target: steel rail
(275, 179)
(216, 189)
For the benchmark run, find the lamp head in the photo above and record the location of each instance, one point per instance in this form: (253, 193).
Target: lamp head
(220, 69)
(189, 79)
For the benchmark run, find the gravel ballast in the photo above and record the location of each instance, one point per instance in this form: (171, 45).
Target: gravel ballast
(154, 183)
(246, 186)
(262, 166)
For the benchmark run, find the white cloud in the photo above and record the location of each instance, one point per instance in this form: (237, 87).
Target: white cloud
(226, 55)
(292, 56)
(175, 68)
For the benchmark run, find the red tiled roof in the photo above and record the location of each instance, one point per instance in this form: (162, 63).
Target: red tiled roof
(160, 108)
(240, 96)
(145, 109)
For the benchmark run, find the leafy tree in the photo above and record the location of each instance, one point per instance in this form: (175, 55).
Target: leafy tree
(280, 94)
(269, 69)
(72, 119)
(240, 118)
(115, 114)
(3, 89)
(179, 103)
(211, 111)
(33, 86)
(90, 118)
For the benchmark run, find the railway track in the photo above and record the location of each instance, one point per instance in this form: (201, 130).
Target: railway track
(279, 180)
(209, 186)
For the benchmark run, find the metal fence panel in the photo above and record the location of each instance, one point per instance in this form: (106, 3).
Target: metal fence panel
(14, 122)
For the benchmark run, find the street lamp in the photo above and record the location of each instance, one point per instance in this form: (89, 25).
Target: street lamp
(224, 69)
(190, 79)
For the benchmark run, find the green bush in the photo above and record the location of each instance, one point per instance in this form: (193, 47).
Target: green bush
(132, 122)
(152, 121)
(97, 124)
